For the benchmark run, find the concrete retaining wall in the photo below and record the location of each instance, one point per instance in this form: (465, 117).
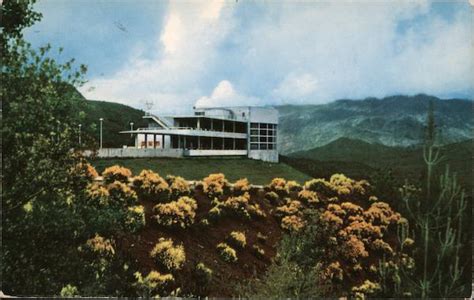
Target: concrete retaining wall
(135, 152)
(215, 153)
(265, 155)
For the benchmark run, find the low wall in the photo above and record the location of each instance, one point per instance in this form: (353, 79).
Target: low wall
(265, 155)
(136, 152)
(215, 153)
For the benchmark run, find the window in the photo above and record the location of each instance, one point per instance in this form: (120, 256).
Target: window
(262, 136)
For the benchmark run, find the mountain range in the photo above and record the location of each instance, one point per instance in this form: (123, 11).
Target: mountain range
(397, 121)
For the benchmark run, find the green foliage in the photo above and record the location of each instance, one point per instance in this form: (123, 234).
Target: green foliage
(152, 284)
(168, 255)
(135, 219)
(69, 291)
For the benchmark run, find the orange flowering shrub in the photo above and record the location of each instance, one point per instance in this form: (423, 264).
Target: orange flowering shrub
(215, 185)
(333, 272)
(168, 255)
(240, 206)
(149, 185)
(178, 213)
(153, 283)
(293, 186)
(320, 186)
(238, 239)
(308, 197)
(85, 170)
(291, 208)
(292, 223)
(259, 252)
(116, 173)
(279, 186)
(241, 186)
(227, 253)
(135, 219)
(121, 193)
(178, 186)
(98, 194)
(100, 247)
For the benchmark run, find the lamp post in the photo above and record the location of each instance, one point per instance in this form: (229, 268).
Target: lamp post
(101, 119)
(80, 125)
(131, 129)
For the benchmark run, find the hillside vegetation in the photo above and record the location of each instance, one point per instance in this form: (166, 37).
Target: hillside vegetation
(391, 121)
(258, 172)
(360, 159)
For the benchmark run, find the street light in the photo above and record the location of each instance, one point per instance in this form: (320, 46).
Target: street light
(131, 129)
(101, 119)
(80, 125)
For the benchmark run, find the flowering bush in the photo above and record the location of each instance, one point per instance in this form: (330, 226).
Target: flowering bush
(69, 291)
(293, 186)
(227, 253)
(279, 186)
(168, 255)
(97, 194)
(116, 173)
(308, 197)
(320, 186)
(239, 206)
(368, 288)
(272, 197)
(238, 239)
(293, 223)
(100, 247)
(150, 186)
(120, 193)
(85, 170)
(178, 187)
(292, 207)
(262, 238)
(241, 186)
(215, 185)
(153, 283)
(135, 219)
(179, 213)
(203, 274)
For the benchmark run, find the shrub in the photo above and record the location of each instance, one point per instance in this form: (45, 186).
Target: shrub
(227, 253)
(368, 288)
(238, 239)
(293, 186)
(100, 247)
(215, 213)
(259, 252)
(85, 170)
(215, 185)
(167, 255)
(272, 197)
(153, 283)
(135, 219)
(116, 173)
(150, 186)
(178, 186)
(279, 186)
(308, 197)
(121, 194)
(97, 194)
(237, 206)
(292, 223)
(241, 186)
(293, 207)
(203, 274)
(178, 214)
(69, 291)
(319, 186)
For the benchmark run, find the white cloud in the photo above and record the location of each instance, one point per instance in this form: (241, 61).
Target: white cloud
(224, 94)
(184, 51)
(296, 87)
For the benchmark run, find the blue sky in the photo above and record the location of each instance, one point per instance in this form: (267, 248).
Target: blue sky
(184, 53)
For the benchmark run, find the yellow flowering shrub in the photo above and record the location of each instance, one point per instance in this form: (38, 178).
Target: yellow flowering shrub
(279, 186)
(100, 246)
(353, 248)
(150, 186)
(343, 185)
(238, 239)
(178, 214)
(227, 253)
(293, 186)
(241, 186)
(121, 193)
(168, 255)
(272, 197)
(368, 288)
(178, 186)
(239, 206)
(333, 272)
(203, 274)
(135, 219)
(320, 186)
(380, 213)
(308, 197)
(215, 185)
(116, 173)
(292, 223)
(153, 283)
(85, 170)
(97, 194)
(291, 208)
(258, 251)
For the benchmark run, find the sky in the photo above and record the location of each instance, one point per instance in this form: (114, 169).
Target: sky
(181, 54)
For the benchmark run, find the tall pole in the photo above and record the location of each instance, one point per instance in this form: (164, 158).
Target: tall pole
(101, 119)
(80, 125)
(131, 129)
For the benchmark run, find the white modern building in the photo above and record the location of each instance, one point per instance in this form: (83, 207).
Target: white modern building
(224, 131)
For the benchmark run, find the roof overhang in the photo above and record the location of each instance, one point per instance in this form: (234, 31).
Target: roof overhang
(189, 132)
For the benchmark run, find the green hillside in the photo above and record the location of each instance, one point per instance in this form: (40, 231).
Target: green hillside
(359, 159)
(257, 172)
(117, 117)
(391, 121)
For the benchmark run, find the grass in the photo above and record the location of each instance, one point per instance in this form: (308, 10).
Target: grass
(257, 172)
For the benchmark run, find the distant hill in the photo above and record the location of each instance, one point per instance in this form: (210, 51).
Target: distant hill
(117, 117)
(359, 159)
(391, 121)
